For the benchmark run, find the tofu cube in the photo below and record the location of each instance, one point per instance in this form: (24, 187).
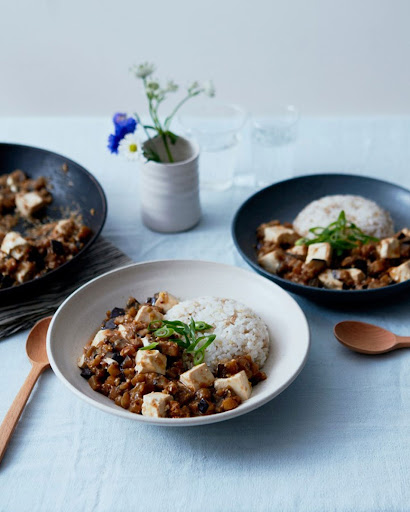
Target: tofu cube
(100, 337)
(321, 251)
(238, 383)
(150, 361)
(14, 245)
(12, 183)
(63, 228)
(126, 331)
(146, 341)
(356, 274)
(147, 314)
(389, 248)
(109, 360)
(123, 330)
(400, 273)
(155, 404)
(272, 260)
(279, 235)
(81, 361)
(29, 202)
(197, 377)
(298, 251)
(166, 301)
(329, 280)
(24, 272)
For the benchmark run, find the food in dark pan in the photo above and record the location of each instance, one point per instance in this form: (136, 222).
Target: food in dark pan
(31, 245)
(355, 249)
(163, 358)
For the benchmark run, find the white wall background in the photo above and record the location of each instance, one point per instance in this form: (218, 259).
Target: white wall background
(328, 57)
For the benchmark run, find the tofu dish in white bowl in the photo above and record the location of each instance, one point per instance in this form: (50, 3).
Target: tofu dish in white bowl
(169, 359)
(218, 343)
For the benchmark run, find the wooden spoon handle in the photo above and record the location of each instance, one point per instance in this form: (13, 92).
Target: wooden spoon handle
(14, 413)
(403, 341)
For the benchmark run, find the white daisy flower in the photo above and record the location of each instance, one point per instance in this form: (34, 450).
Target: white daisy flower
(209, 88)
(143, 70)
(130, 147)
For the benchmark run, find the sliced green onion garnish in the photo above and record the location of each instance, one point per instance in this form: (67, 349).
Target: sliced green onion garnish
(187, 336)
(202, 326)
(207, 343)
(193, 345)
(150, 346)
(164, 332)
(199, 358)
(192, 329)
(341, 235)
(179, 342)
(174, 323)
(154, 325)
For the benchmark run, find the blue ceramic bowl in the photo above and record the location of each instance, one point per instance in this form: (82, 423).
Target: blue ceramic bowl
(284, 200)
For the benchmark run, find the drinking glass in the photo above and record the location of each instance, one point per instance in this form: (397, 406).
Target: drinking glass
(273, 138)
(216, 128)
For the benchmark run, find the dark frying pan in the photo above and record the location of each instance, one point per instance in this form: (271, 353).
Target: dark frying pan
(76, 189)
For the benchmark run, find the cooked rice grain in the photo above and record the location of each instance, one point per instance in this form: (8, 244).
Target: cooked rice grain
(238, 329)
(366, 214)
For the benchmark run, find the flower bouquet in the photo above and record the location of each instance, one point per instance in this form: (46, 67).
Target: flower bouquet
(169, 183)
(129, 133)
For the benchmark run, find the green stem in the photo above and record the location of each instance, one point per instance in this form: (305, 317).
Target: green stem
(137, 117)
(152, 110)
(169, 154)
(184, 100)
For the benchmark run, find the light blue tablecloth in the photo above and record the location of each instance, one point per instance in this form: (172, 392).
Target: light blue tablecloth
(336, 439)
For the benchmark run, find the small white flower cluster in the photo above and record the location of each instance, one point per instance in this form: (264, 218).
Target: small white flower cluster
(207, 88)
(154, 90)
(143, 70)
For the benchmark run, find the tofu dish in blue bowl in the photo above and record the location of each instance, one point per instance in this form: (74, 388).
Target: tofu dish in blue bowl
(336, 246)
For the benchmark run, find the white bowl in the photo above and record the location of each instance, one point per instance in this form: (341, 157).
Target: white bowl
(78, 318)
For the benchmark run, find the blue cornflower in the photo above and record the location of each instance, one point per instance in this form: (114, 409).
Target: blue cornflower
(123, 125)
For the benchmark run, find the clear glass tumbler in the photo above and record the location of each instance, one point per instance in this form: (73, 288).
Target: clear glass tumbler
(273, 138)
(216, 128)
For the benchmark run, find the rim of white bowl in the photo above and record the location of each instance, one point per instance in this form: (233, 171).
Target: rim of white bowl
(244, 408)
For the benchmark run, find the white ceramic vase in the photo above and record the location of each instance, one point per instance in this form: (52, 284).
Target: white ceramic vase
(169, 192)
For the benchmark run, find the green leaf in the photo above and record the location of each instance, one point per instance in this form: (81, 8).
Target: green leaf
(151, 155)
(172, 137)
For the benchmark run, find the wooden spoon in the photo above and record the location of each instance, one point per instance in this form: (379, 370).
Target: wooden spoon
(368, 338)
(36, 352)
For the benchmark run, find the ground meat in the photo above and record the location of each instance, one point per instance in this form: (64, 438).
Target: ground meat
(47, 245)
(363, 257)
(110, 369)
(245, 363)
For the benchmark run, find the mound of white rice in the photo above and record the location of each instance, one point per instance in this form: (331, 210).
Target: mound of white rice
(366, 214)
(239, 331)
